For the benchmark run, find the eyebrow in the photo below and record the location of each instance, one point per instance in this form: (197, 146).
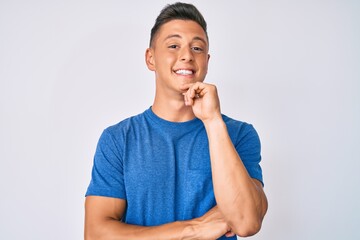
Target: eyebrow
(178, 36)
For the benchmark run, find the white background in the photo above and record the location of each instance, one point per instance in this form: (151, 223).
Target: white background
(68, 69)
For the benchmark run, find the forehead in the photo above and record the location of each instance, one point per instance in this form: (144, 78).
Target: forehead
(186, 29)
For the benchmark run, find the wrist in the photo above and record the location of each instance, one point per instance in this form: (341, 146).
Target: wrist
(188, 230)
(214, 123)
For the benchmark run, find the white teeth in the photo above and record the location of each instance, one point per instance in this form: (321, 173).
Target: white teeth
(184, 72)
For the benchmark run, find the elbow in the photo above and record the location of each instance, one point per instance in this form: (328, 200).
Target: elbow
(249, 224)
(248, 230)
(246, 227)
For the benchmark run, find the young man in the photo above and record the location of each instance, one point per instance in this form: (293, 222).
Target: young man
(181, 169)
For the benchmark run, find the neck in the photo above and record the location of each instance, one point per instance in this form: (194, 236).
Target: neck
(172, 109)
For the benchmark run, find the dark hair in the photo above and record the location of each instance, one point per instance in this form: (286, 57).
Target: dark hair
(182, 11)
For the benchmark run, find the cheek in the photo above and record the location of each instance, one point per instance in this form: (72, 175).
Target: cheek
(165, 60)
(204, 65)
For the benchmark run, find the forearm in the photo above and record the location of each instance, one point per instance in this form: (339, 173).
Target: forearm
(116, 230)
(210, 226)
(240, 199)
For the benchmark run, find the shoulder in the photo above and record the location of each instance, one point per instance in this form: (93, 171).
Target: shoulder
(118, 133)
(240, 128)
(242, 133)
(247, 143)
(126, 124)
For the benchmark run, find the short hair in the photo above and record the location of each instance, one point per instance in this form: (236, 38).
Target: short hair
(178, 11)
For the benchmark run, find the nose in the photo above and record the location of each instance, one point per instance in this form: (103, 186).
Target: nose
(186, 55)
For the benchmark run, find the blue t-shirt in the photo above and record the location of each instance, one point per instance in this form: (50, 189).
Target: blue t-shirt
(162, 169)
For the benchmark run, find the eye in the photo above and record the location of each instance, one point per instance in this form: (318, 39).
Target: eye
(197, 49)
(173, 46)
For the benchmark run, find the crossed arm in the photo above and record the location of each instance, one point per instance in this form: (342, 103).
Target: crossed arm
(241, 201)
(239, 198)
(103, 215)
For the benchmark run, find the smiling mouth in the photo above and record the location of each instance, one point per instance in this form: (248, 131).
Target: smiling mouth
(184, 72)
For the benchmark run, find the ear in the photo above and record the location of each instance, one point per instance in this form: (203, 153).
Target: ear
(207, 64)
(149, 59)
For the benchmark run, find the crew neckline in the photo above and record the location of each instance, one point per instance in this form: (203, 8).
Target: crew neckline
(149, 112)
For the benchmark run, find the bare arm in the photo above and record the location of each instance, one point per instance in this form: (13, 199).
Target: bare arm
(240, 198)
(103, 215)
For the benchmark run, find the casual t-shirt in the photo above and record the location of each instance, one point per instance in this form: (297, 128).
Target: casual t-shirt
(162, 169)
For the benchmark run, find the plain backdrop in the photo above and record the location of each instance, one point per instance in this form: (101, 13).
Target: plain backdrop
(69, 69)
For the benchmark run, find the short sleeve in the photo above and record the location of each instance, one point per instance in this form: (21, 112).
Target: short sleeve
(249, 150)
(107, 174)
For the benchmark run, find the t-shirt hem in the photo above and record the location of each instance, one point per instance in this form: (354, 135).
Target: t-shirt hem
(101, 193)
